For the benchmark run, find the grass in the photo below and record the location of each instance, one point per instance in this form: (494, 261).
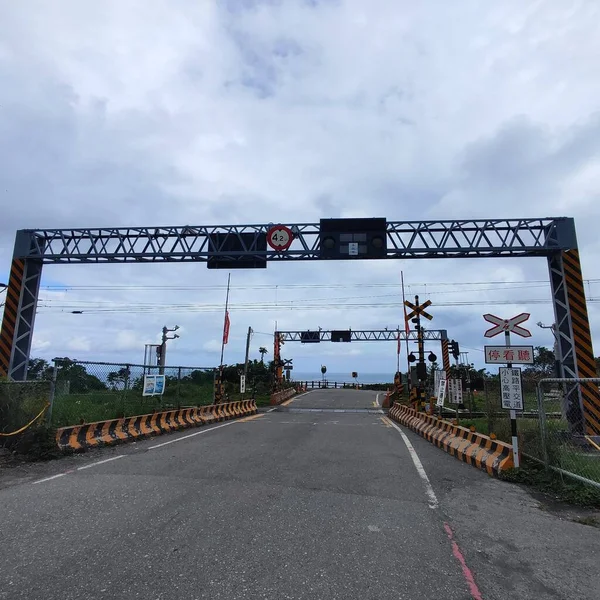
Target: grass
(71, 409)
(553, 484)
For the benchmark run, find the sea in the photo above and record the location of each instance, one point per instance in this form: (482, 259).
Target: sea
(345, 377)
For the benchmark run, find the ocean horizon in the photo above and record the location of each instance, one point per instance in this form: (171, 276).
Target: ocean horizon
(345, 377)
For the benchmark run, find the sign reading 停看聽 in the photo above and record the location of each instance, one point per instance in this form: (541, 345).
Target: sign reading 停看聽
(499, 355)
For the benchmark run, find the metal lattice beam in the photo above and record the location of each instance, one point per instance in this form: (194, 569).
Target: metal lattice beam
(368, 335)
(245, 246)
(405, 239)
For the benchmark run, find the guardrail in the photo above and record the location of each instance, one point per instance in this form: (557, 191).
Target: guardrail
(283, 395)
(114, 431)
(323, 384)
(468, 446)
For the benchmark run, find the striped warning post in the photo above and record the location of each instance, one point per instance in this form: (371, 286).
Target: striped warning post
(446, 358)
(584, 352)
(9, 319)
(470, 447)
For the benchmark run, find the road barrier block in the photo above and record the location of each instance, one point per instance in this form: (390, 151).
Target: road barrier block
(473, 448)
(279, 397)
(114, 431)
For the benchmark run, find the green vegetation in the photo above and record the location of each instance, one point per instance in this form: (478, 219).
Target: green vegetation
(553, 484)
(95, 392)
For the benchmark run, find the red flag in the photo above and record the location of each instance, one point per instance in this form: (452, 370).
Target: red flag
(226, 328)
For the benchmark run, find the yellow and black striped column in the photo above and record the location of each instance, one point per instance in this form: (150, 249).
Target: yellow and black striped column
(584, 352)
(11, 310)
(446, 358)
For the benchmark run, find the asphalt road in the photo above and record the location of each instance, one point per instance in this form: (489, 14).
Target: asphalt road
(294, 505)
(339, 399)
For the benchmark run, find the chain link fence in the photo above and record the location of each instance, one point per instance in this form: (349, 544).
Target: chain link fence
(94, 391)
(21, 403)
(560, 441)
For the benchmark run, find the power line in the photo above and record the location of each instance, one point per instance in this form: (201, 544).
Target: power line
(168, 287)
(262, 307)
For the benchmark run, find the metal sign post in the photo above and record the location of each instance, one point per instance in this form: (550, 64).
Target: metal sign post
(513, 414)
(510, 379)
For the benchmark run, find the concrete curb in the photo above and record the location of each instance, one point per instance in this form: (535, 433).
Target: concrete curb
(473, 448)
(279, 397)
(115, 431)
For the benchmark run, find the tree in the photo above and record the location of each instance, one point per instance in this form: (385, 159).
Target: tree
(39, 369)
(80, 381)
(118, 378)
(262, 351)
(543, 364)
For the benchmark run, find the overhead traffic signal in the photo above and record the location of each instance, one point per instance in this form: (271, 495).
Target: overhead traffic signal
(341, 336)
(353, 238)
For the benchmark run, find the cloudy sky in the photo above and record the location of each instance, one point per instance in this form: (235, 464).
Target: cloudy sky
(131, 113)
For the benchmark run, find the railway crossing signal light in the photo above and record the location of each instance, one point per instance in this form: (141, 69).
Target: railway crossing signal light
(421, 371)
(454, 349)
(411, 358)
(432, 357)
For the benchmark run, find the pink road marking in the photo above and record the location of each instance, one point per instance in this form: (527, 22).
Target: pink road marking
(468, 574)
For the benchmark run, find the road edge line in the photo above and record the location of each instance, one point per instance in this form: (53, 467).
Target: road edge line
(185, 437)
(433, 501)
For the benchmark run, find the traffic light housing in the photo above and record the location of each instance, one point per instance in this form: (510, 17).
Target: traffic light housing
(353, 238)
(220, 243)
(310, 337)
(341, 336)
(454, 349)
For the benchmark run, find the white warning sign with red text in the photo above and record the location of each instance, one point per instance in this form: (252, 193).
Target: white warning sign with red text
(501, 355)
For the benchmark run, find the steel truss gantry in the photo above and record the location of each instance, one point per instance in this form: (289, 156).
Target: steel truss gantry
(231, 245)
(367, 335)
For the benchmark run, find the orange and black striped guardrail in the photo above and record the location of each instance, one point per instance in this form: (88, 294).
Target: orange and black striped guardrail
(115, 431)
(473, 448)
(279, 397)
(584, 352)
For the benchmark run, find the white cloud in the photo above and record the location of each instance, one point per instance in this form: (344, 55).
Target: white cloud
(212, 346)
(78, 344)
(199, 113)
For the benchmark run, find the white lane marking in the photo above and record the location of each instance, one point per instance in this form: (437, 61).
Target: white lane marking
(186, 437)
(49, 478)
(377, 400)
(100, 462)
(304, 394)
(433, 501)
(271, 409)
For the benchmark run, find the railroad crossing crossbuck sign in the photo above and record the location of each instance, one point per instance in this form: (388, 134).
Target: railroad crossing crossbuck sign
(418, 309)
(504, 325)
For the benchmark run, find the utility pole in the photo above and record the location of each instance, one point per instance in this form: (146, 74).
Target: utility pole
(163, 346)
(557, 363)
(248, 337)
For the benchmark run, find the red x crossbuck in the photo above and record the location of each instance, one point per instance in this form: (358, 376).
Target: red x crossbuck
(503, 325)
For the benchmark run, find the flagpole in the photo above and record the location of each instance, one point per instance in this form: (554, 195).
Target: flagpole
(406, 329)
(219, 391)
(225, 322)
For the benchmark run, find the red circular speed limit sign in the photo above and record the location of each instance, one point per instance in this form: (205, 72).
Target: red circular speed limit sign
(280, 237)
